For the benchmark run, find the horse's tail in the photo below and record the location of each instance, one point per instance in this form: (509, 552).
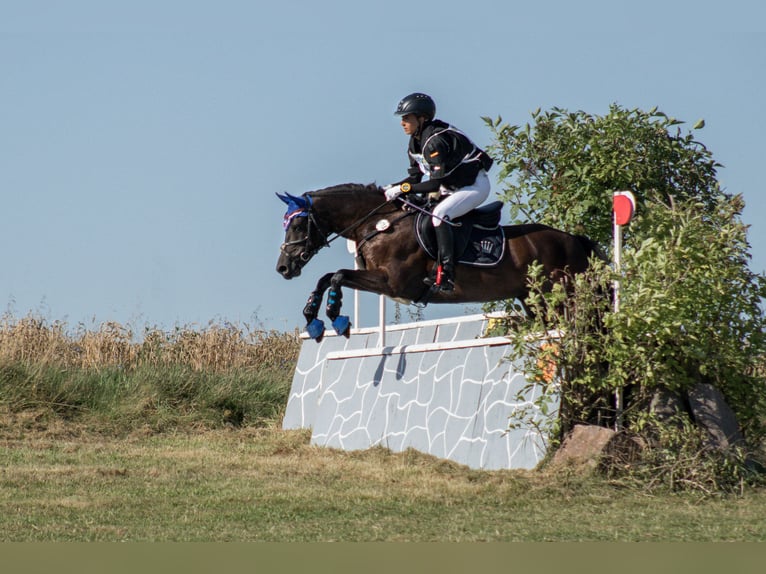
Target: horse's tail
(591, 247)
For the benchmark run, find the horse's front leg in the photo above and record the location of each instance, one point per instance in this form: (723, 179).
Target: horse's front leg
(361, 280)
(341, 323)
(374, 282)
(315, 326)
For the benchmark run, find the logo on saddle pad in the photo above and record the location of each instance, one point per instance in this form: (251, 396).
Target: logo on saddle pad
(479, 239)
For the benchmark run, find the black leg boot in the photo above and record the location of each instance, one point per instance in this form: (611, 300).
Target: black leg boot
(445, 274)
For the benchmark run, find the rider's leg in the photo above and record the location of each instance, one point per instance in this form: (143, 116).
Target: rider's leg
(445, 277)
(452, 206)
(463, 200)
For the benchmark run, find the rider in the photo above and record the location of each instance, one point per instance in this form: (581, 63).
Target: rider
(456, 171)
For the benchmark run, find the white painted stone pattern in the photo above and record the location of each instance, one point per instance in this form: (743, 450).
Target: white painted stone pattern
(449, 400)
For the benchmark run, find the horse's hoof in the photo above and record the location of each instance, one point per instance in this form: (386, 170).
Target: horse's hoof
(315, 329)
(342, 325)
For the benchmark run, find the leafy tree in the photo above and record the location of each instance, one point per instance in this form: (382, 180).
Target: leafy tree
(562, 169)
(691, 310)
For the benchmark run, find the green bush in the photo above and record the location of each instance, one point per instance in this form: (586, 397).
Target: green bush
(561, 169)
(690, 308)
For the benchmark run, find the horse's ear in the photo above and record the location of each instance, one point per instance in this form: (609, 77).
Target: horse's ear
(298, 200)
(283, 197)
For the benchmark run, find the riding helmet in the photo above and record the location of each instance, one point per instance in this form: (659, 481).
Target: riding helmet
(418, 104)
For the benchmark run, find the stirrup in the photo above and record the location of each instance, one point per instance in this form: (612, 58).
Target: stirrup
(445, 287)
(439, 281)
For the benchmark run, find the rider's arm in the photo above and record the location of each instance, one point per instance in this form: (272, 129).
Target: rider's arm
(426, 186)
(444, 153)
(438, 156)
(414, 175)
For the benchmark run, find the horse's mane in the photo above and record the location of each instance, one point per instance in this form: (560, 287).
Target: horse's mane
(349, 188)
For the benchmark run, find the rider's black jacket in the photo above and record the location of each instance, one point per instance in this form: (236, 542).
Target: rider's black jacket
(450, 158)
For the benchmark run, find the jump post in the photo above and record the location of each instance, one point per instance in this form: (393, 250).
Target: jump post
(623, 207)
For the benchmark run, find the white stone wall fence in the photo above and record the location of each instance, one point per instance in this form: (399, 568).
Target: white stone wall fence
(439, 387)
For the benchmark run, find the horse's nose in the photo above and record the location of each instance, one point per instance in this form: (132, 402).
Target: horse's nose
(287, 271)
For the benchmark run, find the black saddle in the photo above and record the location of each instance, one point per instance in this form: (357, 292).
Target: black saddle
(479, 237)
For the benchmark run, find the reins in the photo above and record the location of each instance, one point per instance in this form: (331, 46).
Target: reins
(357, 223)
(377, 232)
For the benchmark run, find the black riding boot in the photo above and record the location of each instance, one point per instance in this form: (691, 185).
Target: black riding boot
(444, 272)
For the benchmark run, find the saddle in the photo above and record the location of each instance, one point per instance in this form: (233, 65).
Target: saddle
(479, 237)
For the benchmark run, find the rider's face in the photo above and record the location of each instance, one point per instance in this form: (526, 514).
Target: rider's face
(410, 124)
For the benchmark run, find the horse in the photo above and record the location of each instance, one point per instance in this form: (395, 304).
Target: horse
(391, 261)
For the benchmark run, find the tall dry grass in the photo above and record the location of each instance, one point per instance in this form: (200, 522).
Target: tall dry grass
(219, 374)
(217, 347)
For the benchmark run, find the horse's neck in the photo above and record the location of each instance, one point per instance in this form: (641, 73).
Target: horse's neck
(342, 211)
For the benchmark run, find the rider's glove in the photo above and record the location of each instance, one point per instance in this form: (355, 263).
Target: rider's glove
(396, 190)
(393, 192)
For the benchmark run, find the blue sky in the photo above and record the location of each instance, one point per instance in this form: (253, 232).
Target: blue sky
(142, 142)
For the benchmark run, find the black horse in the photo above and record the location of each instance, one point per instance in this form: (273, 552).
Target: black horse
(394, 264)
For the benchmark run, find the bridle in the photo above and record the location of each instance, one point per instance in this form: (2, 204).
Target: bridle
(310, 250)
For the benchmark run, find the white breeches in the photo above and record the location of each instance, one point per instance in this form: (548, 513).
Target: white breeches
(463, 200)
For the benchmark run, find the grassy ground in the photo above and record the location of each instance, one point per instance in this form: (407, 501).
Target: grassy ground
(176, 437)
(60, 482)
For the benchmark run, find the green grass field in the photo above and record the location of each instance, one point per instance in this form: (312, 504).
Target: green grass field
(64, 484)
(178, 439)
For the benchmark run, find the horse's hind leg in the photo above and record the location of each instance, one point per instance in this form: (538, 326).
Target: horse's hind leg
(340, 323)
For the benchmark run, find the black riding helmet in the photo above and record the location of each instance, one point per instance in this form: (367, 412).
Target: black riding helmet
(418, 104)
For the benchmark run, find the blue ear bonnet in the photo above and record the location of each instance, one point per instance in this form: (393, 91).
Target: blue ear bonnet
(296, 207)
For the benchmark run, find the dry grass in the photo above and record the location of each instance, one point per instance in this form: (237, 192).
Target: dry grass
(216, 347)
(222, 374)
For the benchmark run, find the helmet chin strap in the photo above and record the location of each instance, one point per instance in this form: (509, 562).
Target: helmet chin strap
(422, 121)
